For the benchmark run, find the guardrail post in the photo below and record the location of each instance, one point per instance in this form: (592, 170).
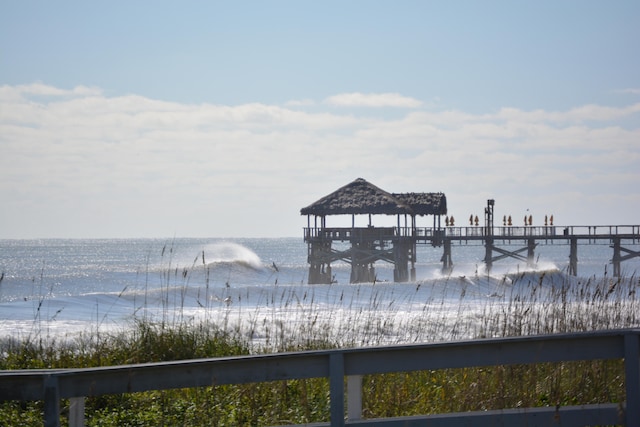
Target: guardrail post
(336, 388)
(51, 401)
(632, 378)
(354, 397)
(76, 412)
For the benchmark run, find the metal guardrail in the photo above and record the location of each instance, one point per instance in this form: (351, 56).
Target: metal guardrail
(54, 385)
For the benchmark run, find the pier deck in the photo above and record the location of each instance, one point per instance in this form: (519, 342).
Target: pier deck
(381, 241)
(598, 234)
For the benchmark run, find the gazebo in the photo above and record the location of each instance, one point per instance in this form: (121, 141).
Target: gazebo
(396, 244)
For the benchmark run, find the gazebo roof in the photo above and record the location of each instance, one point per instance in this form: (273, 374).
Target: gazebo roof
(424, 203)
(362, 197)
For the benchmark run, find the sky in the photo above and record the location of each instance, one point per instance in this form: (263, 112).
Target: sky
(223, 119)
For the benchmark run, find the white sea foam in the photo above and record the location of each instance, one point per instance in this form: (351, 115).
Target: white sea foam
(229, 252)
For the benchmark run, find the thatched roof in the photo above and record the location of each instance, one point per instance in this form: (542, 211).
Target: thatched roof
(424, 203)
(362, 197)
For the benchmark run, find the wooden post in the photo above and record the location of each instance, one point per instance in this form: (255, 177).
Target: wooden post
(336, 388)
(632, 378)
(51, 402)
(488, 253)
(573, 257)
(413, 261)
(447, 264)
(362, 269)
(76, 412)
(318, 259)
(616, 257)
(413, 248)
(355, 264)
(401, 262)
(531, 245)
(354, 397)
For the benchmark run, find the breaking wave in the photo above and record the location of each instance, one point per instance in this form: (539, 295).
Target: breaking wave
(230, 253)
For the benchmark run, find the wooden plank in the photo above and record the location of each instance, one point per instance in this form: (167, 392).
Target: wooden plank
(608, 414)
(505, 351)
(193, 373)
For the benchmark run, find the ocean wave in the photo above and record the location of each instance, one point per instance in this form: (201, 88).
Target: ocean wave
(236, 263)
(231, 253)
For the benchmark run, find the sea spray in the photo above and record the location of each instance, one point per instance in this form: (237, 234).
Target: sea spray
(232, 253)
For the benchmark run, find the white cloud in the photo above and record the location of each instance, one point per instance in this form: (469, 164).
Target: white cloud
(93, 165)
(300, 103)
(357, 99)
(41, 89)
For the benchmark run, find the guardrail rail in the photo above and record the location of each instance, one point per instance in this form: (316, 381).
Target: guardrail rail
(51, 386)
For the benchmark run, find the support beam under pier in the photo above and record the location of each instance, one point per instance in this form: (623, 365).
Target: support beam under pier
(573, 256)
(618, 257)
(401, 254)
(531, 246)
(490, 248)
(447, 263)
(488, 254)
(362, 259)
(320, 258)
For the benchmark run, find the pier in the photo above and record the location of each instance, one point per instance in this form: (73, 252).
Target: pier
(361, 247)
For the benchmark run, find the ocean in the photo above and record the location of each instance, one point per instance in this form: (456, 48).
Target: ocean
(62, 288)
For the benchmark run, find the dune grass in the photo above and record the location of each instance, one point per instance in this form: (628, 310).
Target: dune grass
(529, 305)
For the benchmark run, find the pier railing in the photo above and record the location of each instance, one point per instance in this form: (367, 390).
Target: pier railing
(351, 364)
(585, 232)
(351, 234)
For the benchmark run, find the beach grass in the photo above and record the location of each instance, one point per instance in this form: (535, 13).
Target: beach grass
(530, 304)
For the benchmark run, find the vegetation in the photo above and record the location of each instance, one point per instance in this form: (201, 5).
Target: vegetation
(529, 306)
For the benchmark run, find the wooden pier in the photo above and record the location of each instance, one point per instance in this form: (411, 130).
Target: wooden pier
(363, 246)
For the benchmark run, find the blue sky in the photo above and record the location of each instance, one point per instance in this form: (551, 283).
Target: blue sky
(225, 118)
